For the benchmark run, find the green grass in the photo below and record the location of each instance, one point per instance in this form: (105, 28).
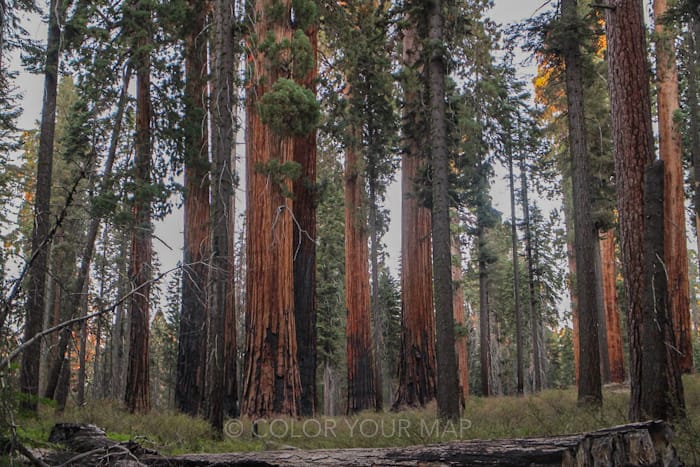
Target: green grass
(551, 412)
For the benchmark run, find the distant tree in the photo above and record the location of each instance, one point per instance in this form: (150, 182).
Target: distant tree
(585, 231)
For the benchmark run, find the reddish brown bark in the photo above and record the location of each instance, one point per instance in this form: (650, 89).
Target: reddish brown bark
(192, 342)
(612, 311)
(675, 248)
(271, 382)
(305, 249)
(137, 380)
(358, 329)
(634, 151)
(417, 359)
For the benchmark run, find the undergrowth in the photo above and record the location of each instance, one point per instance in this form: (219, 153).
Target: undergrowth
(549, 413)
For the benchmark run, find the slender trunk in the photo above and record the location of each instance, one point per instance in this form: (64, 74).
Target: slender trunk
(612, 312)
(192, 342)
(416, 374)
(82, 349)
(221, 365)
(272, 383)
(484, 319)
(533, 309)
(137, 394)
(634, 151)
(461, 339)
(693, 71)
(670, 151)
(600, 307)
(585, 233)
(377, 339)
(29, 364)
(516, 276)
(305, 243)
(361, 383)
(447, 393)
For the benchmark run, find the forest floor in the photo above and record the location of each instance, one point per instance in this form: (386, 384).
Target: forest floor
(551, 412)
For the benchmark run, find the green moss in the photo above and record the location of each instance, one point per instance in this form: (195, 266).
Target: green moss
(289, 109)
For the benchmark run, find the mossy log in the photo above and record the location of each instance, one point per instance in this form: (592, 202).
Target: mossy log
(646, 443)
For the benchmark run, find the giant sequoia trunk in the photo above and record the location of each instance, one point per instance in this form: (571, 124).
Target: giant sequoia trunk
(305, 249)
(612, 311)
(271, 382)
(447, 393)
(416, 375)
(38, 267)
(462, 337)
(192, 343)
(137, 378)
(585, 232)
(675, 248)
(634, 151)
(222, 388)
(358, 331)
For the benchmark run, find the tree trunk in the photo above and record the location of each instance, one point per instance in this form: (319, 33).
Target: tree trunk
(533, 308)
(600, 307)
(520, 383)
(271, 384)
(462, 338)
(222, 387)
(585, 232)
(484, 319)
(612, 312)
(416, 373)
(192, 342)
(693, 72)
(664, 398)
(137, 379)
(447, 393)
(82, 349)
(305, 248)
(377, 337)
(361, 384)
(634, 151)
(670, 151)
(573, 290)
(36, 277)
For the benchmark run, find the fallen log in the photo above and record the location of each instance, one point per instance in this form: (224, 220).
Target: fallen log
(646, 444)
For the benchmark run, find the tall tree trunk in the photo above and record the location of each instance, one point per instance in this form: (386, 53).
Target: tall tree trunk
(222, 387)
(693, 71)
(585, 232)
(377, 338)
(571, 283)
(533, 308)
(600, 307)
(361, 384)
(447, 393)
(612, 311)
(416, 374)
(520, 383)
(192, 342)
(271, 384)
(484, 319)
(675, 249)
(634, 150)
(305, 248)
(137, 376)
(82, 349)
(36, 278)
(461, 339)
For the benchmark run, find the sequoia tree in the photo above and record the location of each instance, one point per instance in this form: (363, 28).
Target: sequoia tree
(675, 242)
(191, 360)
(417, 357)
(277, 110)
